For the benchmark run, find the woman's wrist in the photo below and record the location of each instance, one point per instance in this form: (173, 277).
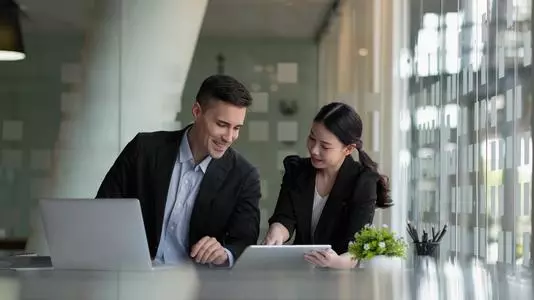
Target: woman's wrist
(345, 261)
(276, 226)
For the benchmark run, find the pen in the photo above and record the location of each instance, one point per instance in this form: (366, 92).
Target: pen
(442, 233)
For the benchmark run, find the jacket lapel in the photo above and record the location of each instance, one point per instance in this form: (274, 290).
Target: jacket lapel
(341, 191)
(216, 174)
(164, 164)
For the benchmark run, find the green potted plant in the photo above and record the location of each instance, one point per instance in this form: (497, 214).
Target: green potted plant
(378, 247)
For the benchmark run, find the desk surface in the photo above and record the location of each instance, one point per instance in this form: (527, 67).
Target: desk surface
(449, 281)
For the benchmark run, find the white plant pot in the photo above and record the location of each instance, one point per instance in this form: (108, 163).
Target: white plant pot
(384, 263)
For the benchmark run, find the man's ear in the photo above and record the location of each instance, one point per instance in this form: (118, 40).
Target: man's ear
(196, 110)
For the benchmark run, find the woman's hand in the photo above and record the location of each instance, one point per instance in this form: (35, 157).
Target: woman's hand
(330, 259)
(276, 235)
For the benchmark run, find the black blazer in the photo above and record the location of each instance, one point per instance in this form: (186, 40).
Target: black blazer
(350, 205)
(227, 203)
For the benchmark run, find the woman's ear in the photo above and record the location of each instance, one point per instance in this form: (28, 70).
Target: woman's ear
(349, 149)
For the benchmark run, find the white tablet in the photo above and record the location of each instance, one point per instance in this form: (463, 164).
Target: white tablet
(281, 257)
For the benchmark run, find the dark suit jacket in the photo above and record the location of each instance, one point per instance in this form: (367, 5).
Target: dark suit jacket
(227, 203)
(350, 205)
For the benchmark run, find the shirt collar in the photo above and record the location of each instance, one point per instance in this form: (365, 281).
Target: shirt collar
(187, 155)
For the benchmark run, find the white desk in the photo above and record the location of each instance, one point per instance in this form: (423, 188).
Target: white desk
(71, 285)
(188, 283)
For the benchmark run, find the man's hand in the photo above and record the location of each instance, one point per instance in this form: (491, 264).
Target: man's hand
(209, 251)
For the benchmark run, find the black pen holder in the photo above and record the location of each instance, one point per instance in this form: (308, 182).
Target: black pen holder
(425, 250)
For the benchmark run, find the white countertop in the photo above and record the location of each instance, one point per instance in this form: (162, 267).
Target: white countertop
(445, 282)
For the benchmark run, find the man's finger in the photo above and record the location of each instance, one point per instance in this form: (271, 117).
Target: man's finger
(196, 248)
(205, 247)
(213, 246)
(219, 253)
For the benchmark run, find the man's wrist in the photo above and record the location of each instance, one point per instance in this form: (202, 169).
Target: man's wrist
(229, 258)
(229, 261)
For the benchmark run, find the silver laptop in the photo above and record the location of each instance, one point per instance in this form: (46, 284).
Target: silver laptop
(279, 257)
(96, 234)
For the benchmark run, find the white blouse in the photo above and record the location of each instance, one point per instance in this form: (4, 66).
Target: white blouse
(318, 205)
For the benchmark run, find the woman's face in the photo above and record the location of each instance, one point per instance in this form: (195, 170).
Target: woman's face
(326, 150)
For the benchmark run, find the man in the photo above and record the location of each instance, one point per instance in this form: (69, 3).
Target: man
(198, 196)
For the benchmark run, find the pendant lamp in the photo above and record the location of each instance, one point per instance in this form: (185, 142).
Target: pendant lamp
(11, 44)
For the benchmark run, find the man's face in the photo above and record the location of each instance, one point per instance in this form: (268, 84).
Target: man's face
(218, 125)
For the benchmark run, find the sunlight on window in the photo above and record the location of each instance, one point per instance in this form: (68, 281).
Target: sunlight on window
(451, 115)
(439, 34)
(404, 158)
(426, 117)
(405, 120)
(453, 23)
(405, 63)
(426, 51)
(490, 150)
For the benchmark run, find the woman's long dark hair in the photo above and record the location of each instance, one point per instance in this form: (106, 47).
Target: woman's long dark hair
(343, 121)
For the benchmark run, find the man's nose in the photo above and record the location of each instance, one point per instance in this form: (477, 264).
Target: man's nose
(227, 137)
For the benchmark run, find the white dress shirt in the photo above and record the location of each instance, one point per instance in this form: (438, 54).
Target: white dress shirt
(183, 190)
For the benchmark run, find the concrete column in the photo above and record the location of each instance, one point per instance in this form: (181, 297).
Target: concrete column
(532, 181)
(134, 67)
(131, 77)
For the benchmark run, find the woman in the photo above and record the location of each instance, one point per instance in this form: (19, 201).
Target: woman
(328, 197)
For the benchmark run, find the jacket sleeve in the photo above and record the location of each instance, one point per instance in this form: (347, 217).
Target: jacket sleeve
(121, 175)
(362, 204)
(244, 228)
(284, 212)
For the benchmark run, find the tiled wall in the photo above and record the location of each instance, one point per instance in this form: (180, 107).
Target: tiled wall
(41, 95)
(277, 72)
(32, 104)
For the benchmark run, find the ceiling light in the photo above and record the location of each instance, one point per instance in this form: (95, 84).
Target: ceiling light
(11, 44)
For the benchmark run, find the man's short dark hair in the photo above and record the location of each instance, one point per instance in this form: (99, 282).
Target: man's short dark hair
(224, 88)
